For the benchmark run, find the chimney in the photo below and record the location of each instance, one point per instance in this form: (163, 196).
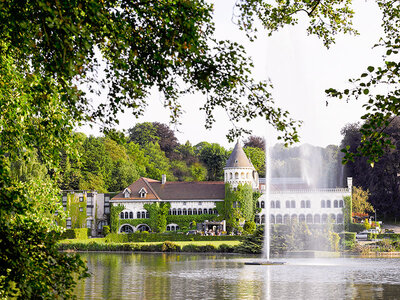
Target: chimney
(349, 183)
(163, 179)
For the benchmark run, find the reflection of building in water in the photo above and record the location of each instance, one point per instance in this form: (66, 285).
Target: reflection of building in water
(292, 199)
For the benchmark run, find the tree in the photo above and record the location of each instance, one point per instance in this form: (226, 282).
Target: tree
(257, 158)
(214, 157)
(166, 139)
(254, 141)
(360, 204)
(143, 133)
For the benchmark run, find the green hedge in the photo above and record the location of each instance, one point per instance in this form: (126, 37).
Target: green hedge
(347, 236)
(161, 237)
(167, 246)
(77, 233)
(356, 227)
(393, 236)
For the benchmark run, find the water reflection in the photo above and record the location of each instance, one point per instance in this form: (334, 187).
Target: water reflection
(185, 276)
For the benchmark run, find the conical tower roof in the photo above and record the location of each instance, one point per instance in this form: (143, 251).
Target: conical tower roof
(238, 158)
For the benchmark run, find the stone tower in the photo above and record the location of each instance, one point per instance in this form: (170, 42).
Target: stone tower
(239, 169)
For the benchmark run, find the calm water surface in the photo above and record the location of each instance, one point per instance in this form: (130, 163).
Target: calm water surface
(187, 276)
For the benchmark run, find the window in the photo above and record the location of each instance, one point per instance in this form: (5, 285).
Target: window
(293, 218)
(210, 211)
(302, 204)
(80, 208)
(184, 211)
(340, 203)
(272, 219)
(200, 211)
(144, 215)
(80, 199)
(121, 215)
(277, 204)
(308, 204)
(332, 218)
(242, 175)
(236, 175)
(257, 219)
(179, 211)
(184, 203)
(89, 200)
(263, 219)
(302, 218)
(335, 204)
(339, 218)
(272, 204)
(278, 219)
(126, 229)
(147, 215)
(174, 211)
(286, 219)
(106, 210)
(293, 204)
(138, 214)
(262, 204)
(309, 219)
(88, 223)
(215, 212)
(234, 204)
(328, 203)
(130, 215)
(64, 200)
(194, 211)
(89, 211)
(258, 204)
(324, 218)
(189, 211)
(126, 215)
(287, 204)
(322, 203)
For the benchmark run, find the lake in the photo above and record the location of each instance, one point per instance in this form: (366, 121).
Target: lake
(207, 276)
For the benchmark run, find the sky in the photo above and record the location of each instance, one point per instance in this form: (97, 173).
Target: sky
(300, 69)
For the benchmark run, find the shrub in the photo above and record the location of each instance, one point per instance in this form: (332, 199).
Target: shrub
(249, 227)
(224, 248)
(106, 230)
(334, 241)
(168, 246)
(356, 227)
(367, 225)
(77, 233)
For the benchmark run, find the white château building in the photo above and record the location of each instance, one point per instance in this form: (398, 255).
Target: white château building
(290, 198)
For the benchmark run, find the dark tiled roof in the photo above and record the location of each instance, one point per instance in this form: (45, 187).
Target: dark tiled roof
(238, 158)
(175, 190)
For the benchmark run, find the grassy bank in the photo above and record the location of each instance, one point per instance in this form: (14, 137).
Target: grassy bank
(166, 246)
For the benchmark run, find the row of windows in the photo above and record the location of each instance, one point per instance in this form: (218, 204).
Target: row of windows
(126, 228)
(88, 223)
(194, 211)
(172, 227)
(309, 219)
(235, 175)
(303, 204)
(139, 215)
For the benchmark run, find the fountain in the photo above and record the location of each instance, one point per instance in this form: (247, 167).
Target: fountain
(266, 250)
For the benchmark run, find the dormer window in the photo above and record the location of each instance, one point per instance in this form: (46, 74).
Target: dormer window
(142, 193)
(127, 193)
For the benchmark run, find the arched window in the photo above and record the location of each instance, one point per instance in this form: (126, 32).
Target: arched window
(322, 203)
(272, 204)
(138, 214)
(121, 215)
(317, 219)
(277, 204)
(257, 219)
(272, 219)
(126, 215)
(194, 211)
(169, 212)
(309, 219)
(293, 204)
(168, 228)
(340, 203)
(262, 204)
(335, 204)
(286, 219)
(179, 211)
(328, 203)
(210, 211)
(215, 212)
(174, 211)
(279, 219)
(308, 204)
(147, 215)
(263, 219)
(324, 218)
(258, 204)
(302, 218)
(247, 175)
(340, 219)
(126, 228)
(302, 204)
(332, 218)
(189, 211)
(200, 211)
(294, 218)
(143, 215)
(236, 175)
(287, 204)
(230, 175)
(130, 215)
(184, 212)
(242, 175)
(143, 227)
